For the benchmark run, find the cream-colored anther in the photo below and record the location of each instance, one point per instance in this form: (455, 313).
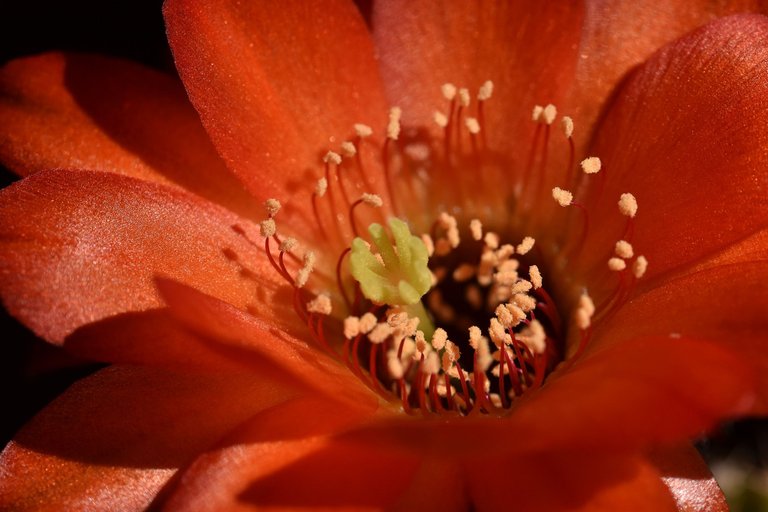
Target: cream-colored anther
(538, 110)
(440, 119)
(348, 148)
(473, 126)
(463, 272)
(522, 286)
(272, 206)
(372, 200)
(517, 312)
(439, 338)
(394, 365)
(525, 302)
(582, 318)
(363, 130)
(463, 97)
(535, 275)
(448, 90)
(491, 240)
(591, 165)
(628, 205)
(563, 197)
(474, 336)
(321, 187)
(617, 264)
(549, 114)
(393, 127)
(429, 244)
(308, 265)
(431, 364)
(267, 228)
(288, 244)
(586, 303)
(504, 252)
(476, 229)
(367, 323)
(453, 237)
(525, 246)
(397, 318)
(567, 127)
(320, 305)
(498, 334)
(640, 266)
(332, 157)
(380, 333)
(506, 318)
(534, 337)
(351, 327)
(624, 249)
(485, 91)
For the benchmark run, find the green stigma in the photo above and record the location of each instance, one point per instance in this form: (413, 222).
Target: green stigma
(403, 277)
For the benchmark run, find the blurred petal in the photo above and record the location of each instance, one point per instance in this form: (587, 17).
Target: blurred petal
(689, 479)
(113, 439)
(87, 112)
(79, 246)
(277, 85)
(685, 137)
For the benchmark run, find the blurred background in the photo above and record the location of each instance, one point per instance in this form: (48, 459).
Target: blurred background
(32, 373)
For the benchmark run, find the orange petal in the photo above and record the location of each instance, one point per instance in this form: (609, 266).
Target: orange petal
(277, 85)
(685, 137)
(689, 479)
(284, 462)
(725, 304)
(629, 396)
(66, 111)
(114, 439)
(79, 246)
(566, 482)
(528, 50)
(638, 29)
(275, 353)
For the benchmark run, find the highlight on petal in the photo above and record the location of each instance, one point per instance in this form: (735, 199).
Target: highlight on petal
(72, 111)
(114, 439)
(685, 136)
(77, 247)
(277, 85)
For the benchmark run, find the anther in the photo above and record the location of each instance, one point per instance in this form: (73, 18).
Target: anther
(288, 244)
(491, 240)
(563, 197)
(548, 114)
(351, 327)
(367, 323)
(472, 125)
(628, 205)
(476, 228)
(272, 206)
(463, 97)
(320, 305)
(332, 157)
(525, 246)
(321, 187)
(267, 228)
(309, 264)
(440, 119)
(485, 91)
(538, 110)
(617, 264)
(439, 339)
(535, 274)
(363, 130)
(348, 148)
(393, 127)
(448, 90)
(624, 249)
(639, 267)
(567, 123)
(591, 165)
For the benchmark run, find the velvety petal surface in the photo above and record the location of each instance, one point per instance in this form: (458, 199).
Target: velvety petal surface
(527, 49)
(609, 401)
(78, 247)
(87, 112)
(685, 137)
(113, 439)
(277, 85)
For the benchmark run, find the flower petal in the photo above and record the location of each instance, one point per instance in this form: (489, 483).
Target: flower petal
(88, 112)
(282, 461)
(79, 246)
(689, 479)
(277, 85)
(114, 439)
(610, 401)
(685, 137)
(528, 50)
(724, 304)
(275, 353)
(639, 28)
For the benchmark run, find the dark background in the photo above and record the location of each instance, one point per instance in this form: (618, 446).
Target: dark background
(31, 372)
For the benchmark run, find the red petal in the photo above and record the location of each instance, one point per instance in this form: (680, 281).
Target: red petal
(689, 479)
(562, 482)
(528, 50)
(618, 35)
(78, 247)
(725, 304)
(114, 439)
(685, 137)
(632, 395)
(276, 354)
(285, 462)
(274, 83)
(87, 112)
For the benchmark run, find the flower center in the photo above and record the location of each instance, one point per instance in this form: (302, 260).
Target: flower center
(458, 317)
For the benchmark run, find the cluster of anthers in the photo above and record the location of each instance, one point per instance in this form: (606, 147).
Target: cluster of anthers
(457, 319)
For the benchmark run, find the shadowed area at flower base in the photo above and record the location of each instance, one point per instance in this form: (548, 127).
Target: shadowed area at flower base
(726, 304)
(81, 246)
(113, 439)
(69, 111)
(276, 86)
(685, 135)
(580, 408)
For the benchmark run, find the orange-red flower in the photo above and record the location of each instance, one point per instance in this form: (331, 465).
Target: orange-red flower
(134, 239)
